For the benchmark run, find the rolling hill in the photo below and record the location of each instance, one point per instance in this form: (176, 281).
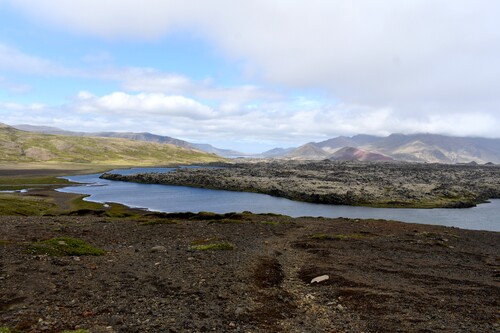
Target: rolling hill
(143, 136)
(18, 146)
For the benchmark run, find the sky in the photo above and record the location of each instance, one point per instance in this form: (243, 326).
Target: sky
(252, 75)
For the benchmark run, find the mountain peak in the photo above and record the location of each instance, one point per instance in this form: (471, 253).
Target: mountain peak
(357, 154)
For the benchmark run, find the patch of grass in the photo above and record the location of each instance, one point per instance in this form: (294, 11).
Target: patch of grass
(78, 203)
(19, 182)
(114, 210)
(350, 236)
(321, 236)
(14, 204)
(64, 246)
(213, 246)
(4, 329)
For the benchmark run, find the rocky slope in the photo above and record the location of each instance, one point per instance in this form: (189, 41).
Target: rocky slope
(347, 183)
(357, 154)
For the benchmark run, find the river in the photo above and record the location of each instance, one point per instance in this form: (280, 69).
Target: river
(167, 198)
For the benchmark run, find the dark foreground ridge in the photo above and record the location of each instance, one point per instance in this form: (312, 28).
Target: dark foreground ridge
(244, 273)
(345, 183)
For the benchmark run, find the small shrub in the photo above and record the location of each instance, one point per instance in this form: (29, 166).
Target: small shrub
(64, 246)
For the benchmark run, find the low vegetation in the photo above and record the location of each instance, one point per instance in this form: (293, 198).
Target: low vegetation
(64, 246)
(213, 246)
(15, 204)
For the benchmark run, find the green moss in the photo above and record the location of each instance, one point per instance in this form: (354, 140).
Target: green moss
(14, 204)
(4, 329)
(212, 246)
(4, 242)
(20, 183)
(321, 236)
(78, 203)
(64, 246)
(350, 236)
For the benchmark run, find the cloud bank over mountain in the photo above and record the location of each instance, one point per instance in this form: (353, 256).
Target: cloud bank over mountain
(306, 69)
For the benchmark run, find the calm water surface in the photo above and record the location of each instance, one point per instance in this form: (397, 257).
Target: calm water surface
(167, 198)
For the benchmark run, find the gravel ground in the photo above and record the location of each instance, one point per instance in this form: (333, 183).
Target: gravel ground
(383, 276)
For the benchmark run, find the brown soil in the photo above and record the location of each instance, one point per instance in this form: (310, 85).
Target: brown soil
(383, 276)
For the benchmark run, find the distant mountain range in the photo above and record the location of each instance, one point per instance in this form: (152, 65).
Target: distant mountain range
(430, 148)
(147, 137)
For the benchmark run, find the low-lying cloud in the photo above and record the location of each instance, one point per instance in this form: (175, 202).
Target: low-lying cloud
(141, 105)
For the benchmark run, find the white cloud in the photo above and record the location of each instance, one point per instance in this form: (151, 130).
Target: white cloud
(13, 87)
(13, 60)
(153, 81)
(141, 105)
(274, 124)
(365, 50)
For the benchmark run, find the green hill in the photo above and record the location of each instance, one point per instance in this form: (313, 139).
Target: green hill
(26, 147)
